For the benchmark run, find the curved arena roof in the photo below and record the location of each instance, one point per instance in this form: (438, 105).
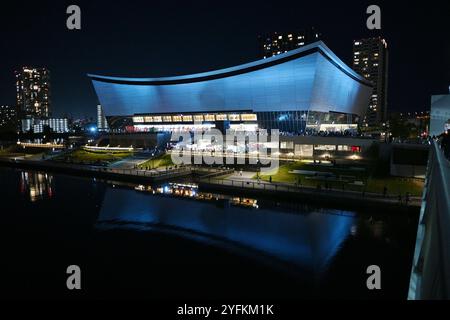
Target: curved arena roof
(309, 78)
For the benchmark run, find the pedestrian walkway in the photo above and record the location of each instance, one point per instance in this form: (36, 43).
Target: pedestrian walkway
(246, 182)
(241, 176)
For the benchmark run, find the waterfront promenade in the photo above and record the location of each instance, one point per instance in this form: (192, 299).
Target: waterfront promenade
(131, 174)
(221, 179)
(244, 182)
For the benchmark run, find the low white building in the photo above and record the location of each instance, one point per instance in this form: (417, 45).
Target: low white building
(440, 113)
(58, 125)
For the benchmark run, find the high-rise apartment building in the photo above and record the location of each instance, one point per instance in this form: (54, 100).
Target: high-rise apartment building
(275, 43)
(33, 92)
(102, 124)
(370, 60)
(8, 117)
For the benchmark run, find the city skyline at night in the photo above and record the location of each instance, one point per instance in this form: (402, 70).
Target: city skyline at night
(171, 39)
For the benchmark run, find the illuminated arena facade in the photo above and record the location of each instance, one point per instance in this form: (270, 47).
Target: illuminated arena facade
(309, 88)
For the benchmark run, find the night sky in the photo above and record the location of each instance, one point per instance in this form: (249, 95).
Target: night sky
(164, 38)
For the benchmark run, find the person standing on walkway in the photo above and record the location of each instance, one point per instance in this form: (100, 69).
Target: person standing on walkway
(384, 192)
(270, 179)
(445, 143)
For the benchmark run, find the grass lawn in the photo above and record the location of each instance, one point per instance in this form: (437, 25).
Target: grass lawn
(395, 185)
(160, 161)
(85, 156)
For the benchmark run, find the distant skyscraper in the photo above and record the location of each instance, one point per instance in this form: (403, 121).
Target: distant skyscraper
(8, 117)
(370, 59)
(33, 92)
(279, 42)
(102, 124)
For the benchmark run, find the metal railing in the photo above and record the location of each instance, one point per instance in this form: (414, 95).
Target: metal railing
(155, 173)
(298, 188)
(430, 276)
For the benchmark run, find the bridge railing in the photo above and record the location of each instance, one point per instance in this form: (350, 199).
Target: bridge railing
(430, 276)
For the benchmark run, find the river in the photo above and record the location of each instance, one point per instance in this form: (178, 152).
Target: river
(176, 241)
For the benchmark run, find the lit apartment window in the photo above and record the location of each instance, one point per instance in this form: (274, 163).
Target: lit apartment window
(280, 37)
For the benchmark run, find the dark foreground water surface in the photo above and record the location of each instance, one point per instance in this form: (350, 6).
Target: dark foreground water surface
(175, 241)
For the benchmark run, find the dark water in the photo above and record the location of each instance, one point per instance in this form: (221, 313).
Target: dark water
(175, 241)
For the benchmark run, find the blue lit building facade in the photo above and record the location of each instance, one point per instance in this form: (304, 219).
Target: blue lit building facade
(309, 88)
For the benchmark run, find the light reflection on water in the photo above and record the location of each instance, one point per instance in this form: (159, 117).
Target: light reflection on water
(190, 190)
(307, 240)
(103, 221)
(36, 185)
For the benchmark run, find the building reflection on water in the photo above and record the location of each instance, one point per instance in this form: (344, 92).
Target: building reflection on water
(307, 237)
(36, 185)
